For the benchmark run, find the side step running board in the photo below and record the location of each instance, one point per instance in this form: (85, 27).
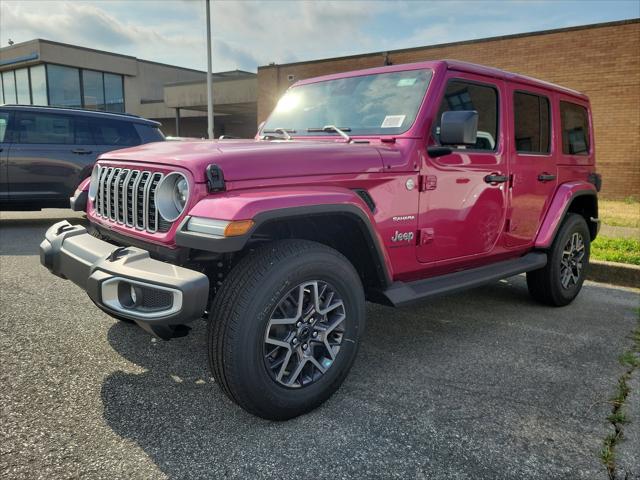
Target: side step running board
(401, 293)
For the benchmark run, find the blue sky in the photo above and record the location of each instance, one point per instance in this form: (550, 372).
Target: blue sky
(251, 33)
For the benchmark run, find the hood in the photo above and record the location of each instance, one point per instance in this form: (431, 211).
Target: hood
(255, 159)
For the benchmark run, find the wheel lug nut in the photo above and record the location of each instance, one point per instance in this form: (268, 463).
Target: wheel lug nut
(315, 334)
(305, 346)
(298, 324)
(295, 340)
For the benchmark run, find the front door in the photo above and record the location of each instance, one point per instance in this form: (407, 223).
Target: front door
(462, 212)
(533, 163)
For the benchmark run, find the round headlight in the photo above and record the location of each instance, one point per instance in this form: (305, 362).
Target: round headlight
(172, 196)
(93, 183)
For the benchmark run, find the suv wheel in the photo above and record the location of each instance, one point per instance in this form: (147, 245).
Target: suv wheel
(284, 328)
(560, 281)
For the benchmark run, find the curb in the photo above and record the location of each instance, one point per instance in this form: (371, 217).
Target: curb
(614, 273)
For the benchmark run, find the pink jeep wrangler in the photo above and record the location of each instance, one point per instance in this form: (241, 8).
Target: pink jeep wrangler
(392, 185)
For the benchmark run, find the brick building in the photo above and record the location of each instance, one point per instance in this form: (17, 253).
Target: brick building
(601, 60)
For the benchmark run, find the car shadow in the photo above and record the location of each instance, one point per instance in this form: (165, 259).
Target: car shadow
(411, 390)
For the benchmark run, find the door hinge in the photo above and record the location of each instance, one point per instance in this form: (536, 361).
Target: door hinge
(427, 182)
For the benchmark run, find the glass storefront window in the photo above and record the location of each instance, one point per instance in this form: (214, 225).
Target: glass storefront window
(9, 85)
(39, 85)
(93, 89)
(113, 93)
(64, 86)
(22, 86)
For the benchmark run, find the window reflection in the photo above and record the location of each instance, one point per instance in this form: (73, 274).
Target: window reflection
(22, 86)
(64, 86)
(39, 85)
(113, 93)
(93, 88)
(9, 85)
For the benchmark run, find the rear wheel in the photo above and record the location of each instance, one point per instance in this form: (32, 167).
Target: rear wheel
(285, 328)
(560, 281)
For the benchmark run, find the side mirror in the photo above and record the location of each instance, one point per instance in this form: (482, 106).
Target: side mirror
(459, 127)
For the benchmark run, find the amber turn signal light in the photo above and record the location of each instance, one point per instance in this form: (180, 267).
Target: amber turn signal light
(239, 227)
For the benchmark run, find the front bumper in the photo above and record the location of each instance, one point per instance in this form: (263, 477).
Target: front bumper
(126, 281)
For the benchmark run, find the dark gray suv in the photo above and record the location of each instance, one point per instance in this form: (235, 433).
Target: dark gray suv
(45, 152)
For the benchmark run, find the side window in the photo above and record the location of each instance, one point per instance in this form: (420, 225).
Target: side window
(114, 132)
(532, 122)
(575, 129)
(4, 123)
(462, 95)
(45, 128)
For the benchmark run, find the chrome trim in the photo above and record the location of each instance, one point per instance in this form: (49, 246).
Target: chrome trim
(114, 184)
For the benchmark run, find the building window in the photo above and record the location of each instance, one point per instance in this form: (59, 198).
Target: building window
(113, 93)
(39, 85)
(64, 86)
(22, 86)
(9, 86)
(93, 90)
(575, 129)
(532, 122)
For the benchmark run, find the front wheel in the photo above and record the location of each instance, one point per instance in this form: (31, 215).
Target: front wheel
(560, 281)
(284, 328)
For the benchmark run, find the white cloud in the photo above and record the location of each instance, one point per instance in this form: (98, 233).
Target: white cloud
(251, 33)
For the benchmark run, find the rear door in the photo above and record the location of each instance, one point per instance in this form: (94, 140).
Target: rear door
(5, 120)
(461, 214)
(533, 163)
(50, 155)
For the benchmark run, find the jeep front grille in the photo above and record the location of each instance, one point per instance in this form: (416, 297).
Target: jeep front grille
(127, 197)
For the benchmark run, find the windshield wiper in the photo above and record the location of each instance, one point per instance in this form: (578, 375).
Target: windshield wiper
(332, 128)
(282, 131)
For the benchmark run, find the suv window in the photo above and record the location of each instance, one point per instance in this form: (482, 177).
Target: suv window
(45, 128)
(114, 132)
(575, 129)
(462, 95)
(532, 122)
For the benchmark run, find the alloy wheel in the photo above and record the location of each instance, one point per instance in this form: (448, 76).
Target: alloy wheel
(304, 334)
(571, 263)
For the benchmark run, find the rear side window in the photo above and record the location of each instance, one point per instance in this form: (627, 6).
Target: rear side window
(114, 132)
(4, 123)
(149, 134)
(470, 96)
(532, 122)
(45, 128)
(575, 129)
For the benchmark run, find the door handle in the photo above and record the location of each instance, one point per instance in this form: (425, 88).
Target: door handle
(496, 178)
(81, 151)
(546, 177)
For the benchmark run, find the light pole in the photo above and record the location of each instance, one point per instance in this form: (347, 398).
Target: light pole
(209, 76)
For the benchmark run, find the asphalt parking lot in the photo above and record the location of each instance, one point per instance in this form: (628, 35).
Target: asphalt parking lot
(484, 384)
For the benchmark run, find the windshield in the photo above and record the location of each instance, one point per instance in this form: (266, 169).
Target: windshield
(380, 104)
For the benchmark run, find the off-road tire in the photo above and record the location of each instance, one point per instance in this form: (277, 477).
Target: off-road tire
(243, 308)
(545, 284)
